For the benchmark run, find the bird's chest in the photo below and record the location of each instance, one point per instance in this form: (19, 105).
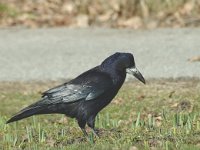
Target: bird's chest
(102, 101)
(97, 105)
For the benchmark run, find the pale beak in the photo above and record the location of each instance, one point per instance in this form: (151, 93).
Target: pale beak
(134, 71)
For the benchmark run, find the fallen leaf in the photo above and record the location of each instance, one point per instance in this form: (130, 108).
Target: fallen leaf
(133, 148)
(187, 8)
(68, 8)
(152, 24)
(134, 22)
(50, 142)
(105, 17)
(194, 59)
(174, 105)
(158, 121)
(63, 120)
(141, 97)
(82, 21)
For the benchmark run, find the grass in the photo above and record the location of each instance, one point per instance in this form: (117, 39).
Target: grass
(160, 115)
(7, 11)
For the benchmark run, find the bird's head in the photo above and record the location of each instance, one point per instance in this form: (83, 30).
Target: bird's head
(123, 62)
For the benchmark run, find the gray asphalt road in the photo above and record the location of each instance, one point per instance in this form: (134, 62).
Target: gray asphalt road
(43, 54)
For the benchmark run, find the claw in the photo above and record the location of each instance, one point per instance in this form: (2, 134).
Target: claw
(84, 132)
(96, 132)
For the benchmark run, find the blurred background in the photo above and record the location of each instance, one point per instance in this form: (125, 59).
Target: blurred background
(135, 14)
(44, 43)
(38, 36)
(62, 31)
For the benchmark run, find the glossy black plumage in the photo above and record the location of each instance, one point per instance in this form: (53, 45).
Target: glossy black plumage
(83, 97)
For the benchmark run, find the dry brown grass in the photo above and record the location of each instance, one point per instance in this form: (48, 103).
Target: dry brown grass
(114, 13)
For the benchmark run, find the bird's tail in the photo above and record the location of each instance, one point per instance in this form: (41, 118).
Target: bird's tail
(26, 112)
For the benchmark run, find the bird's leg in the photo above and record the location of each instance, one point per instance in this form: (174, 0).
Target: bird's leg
(95, 131)
(81, 124)
(91, 124)
(84, 132)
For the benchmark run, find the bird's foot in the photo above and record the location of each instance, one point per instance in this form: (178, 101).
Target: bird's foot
(84, 132)
(96, 132)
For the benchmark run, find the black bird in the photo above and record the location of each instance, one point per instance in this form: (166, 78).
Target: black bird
(83, 97)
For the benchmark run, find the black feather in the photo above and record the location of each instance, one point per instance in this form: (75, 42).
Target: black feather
(83, 97)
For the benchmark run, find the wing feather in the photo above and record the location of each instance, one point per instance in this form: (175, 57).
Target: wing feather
(92, 86)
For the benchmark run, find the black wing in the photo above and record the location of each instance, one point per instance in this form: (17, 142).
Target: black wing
(87, 86)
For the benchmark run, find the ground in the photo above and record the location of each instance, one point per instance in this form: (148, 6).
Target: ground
(163, 114)
(63, 53)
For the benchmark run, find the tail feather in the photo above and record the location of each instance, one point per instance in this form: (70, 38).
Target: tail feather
(26, 112)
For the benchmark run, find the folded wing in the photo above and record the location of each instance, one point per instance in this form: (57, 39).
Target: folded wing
(91, 87)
